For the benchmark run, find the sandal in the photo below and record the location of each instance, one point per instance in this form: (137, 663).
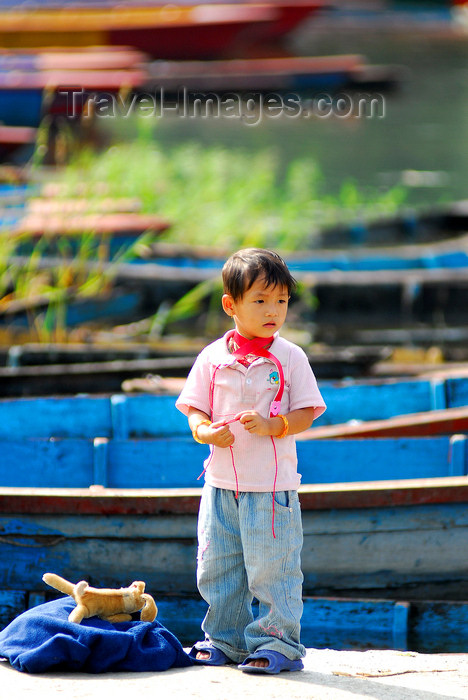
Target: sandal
(216, 658)
(276, 662)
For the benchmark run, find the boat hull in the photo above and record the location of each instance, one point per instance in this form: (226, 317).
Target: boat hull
(167, 32)
(77, 506)
(378, 537)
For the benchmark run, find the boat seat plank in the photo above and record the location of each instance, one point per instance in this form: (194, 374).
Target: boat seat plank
(145, 415)
(98, 500)
(74, 417)
(375, 401)
(177, 462)
(448, 421)
(457, 392)
(164, 463)
(42, 463)
(325, 461)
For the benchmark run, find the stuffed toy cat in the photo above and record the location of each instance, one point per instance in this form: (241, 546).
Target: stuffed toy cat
(112, 604)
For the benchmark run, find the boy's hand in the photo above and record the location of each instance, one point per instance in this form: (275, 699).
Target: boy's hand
(216, 434)
(255, 423)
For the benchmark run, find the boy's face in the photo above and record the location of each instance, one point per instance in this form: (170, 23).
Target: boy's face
(260, 312)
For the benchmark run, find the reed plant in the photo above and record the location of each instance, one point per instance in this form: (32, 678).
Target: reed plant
(43, 289)
(225, 197)
(214, 196)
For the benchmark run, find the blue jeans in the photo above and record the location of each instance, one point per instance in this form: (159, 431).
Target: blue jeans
(238, 559)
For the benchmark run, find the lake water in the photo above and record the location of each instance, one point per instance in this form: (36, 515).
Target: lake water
(421, 140)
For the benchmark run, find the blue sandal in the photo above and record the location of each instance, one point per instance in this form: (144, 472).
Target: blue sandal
(216, 658)
(276, 662)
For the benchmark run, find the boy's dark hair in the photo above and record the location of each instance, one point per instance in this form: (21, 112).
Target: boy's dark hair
(242, 269)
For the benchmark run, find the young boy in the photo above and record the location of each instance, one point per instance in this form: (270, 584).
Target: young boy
(246, 396)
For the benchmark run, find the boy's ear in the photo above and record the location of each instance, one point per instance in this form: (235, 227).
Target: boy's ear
(228, 304)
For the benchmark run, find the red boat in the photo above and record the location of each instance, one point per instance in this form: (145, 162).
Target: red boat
(12, 138)
(166, 32)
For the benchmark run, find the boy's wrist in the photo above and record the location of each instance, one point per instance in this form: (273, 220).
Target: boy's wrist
(281, 427)
(195, 434)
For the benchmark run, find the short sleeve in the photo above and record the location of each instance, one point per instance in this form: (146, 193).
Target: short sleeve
(196, 391)
(304, 391)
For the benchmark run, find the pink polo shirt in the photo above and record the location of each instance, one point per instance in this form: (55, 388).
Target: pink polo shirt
(236, 388)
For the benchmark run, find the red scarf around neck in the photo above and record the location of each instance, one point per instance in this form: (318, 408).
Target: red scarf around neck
(259, 346)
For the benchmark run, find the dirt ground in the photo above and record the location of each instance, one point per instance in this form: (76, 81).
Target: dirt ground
(328, 675)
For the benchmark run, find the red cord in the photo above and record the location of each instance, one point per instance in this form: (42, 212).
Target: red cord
(274, 487)
(207, 462)
(235, 471)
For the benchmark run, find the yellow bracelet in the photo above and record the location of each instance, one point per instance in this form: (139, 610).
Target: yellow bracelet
(285, 430)
(194, 431)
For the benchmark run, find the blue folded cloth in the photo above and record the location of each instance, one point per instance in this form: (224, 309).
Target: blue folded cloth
(42, 639)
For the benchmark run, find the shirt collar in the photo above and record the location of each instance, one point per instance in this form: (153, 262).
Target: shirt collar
(222, 356)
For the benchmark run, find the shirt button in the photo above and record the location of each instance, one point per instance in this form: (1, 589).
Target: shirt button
(248, 381)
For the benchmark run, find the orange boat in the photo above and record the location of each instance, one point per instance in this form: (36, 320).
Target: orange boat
(169, 31)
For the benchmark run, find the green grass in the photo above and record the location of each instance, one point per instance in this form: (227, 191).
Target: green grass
(225, 197)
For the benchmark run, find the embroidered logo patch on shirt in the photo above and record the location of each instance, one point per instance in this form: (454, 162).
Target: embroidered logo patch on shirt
(274, 377)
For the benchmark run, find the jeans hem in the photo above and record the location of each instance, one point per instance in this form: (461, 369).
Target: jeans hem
(238, 657)
(293, 654)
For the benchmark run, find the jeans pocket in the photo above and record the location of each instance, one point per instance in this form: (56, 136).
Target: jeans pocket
(282, 500)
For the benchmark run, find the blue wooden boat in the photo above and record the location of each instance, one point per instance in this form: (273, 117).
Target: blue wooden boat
(287, 75)
(107, 235)
(20, 107)
(405, 297)
(85, 479)
(381, 543)
(444, 422)
(353, 307)
(407, 227)
(15, 194)
(337, 623)
(110, 308)
(353, 623)
(452, 253)
(121, 229)
(410, 289)
(34, 85)
(31, 83)
(364, 500)
(19, 208)
(22, 92)
(67, 369)
(80, 463)
(369, 400)
(353, 265)
(138, 416)
(108, 228)
(429, 241)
